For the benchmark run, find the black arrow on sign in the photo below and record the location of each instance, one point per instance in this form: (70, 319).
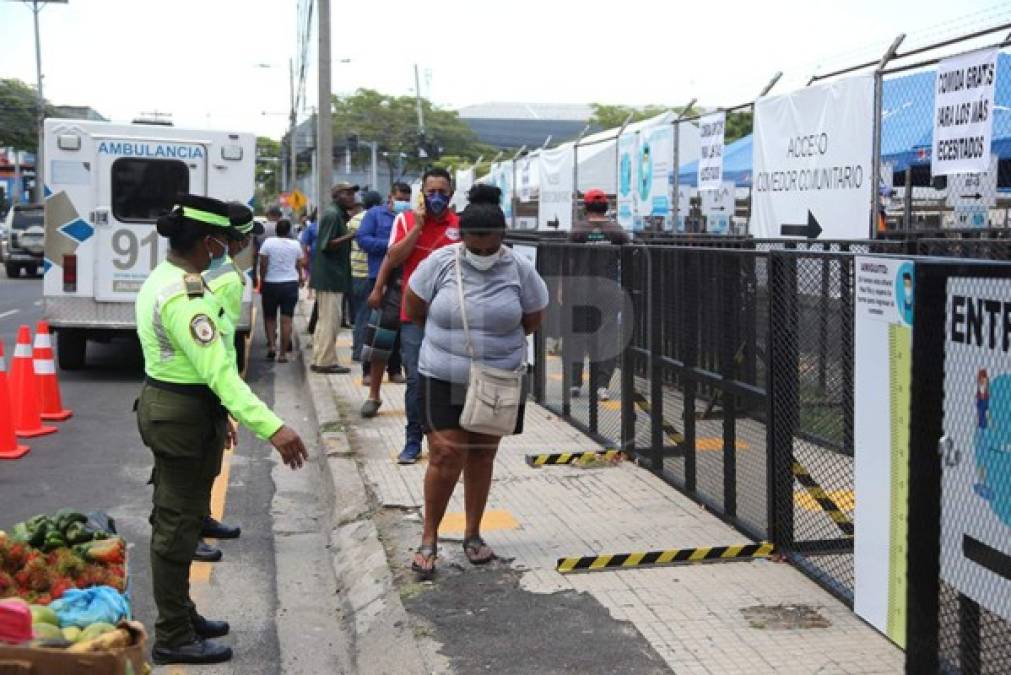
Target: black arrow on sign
(812, 230)
(972, 196)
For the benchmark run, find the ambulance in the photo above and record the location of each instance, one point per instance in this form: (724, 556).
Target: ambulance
(105, 186)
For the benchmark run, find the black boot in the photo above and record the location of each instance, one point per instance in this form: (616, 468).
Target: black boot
(206, 553)
(215, 530)
(207, 628)
(197, 652)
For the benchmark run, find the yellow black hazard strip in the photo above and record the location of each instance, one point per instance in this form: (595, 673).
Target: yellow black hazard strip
(671, 557)
(573, 457)
(820, 497)
(675, 436)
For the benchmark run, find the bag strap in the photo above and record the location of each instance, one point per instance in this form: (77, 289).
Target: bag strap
(463, 302)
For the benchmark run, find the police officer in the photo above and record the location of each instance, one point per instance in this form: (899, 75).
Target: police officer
(191, 386)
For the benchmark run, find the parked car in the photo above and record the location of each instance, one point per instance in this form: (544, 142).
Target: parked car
(24, 240)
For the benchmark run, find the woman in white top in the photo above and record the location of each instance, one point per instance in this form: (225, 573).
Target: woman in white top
(281, 265)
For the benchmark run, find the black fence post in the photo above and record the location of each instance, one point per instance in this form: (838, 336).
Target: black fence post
(629, 270)
(656, 320)
(568, 327)
(847, 274)
(596, 260)
(783, 395)
(728, 369)
(688, 265)
(540, 337)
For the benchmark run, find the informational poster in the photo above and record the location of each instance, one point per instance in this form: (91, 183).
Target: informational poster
(711, 131)
(972, 195)
(463, 180)
(627, 177)
(655, 178)
(882, 374)
(525, 166)
(504, 180)
(976, 446)
(813, 174)
(718, 207)
(554, 206)
(963, 113)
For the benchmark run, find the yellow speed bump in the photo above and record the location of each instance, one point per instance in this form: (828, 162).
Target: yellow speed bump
(670, 557)
(574, 457)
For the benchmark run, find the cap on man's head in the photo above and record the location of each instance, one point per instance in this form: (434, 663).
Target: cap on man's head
(212, 214)
(345, 186)
(371, 198)
(242, 219)
(595, 196)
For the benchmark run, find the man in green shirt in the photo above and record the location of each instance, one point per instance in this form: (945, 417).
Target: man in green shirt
(331, 277)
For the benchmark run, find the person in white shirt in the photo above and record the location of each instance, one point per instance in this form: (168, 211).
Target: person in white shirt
(281, 270)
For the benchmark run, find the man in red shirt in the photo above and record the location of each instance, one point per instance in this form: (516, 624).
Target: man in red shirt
(415, 235)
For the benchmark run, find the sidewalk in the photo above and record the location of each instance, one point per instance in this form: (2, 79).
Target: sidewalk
(736, 617)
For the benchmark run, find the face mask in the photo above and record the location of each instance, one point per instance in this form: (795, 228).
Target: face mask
(437, 203)
(481, 262)
(400, 206)
(217, 262)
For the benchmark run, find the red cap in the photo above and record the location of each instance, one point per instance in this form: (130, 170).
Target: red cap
(595, 195)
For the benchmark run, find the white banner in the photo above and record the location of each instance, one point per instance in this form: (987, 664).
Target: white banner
(882, 373)
(504, 180)
(627, 173)
(812, 161)
(963, 113)
(976, 461)
(554, 206)
(711, 130)
(525, 166)
(655, 178)
(464, 179)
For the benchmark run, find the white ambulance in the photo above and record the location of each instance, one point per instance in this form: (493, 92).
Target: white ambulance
(105, 186)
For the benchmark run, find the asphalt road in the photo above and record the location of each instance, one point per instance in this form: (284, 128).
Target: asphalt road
(97, 462)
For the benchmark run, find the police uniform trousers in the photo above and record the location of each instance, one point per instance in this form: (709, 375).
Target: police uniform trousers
(185, 427)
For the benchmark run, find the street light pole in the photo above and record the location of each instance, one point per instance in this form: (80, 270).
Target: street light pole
(293, 174)
(324, 118)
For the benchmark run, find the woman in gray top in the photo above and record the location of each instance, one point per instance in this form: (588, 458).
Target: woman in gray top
(505, 301)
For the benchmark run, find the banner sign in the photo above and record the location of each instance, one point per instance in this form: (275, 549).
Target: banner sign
(463, 181)
(655, 179)
(812, 161)
(554, 207)
(718, 207)
(882, 376)
(972, 195)
(627, 177)
(963, 113)
(524, 181)
(976, 446)
(711, 131)
(504, 181)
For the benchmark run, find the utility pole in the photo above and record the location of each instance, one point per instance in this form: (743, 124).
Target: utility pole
(374, 147)
(292, 150)
(324, 118)
(417, 97)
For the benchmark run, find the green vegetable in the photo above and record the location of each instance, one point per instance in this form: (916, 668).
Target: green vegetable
(64, 518)
(53, 541)
(20, 533)
(99, 535)
(76, 533)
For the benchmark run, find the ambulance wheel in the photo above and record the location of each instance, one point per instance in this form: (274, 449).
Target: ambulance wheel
(70, 348)
(13, 271)
(240, 350)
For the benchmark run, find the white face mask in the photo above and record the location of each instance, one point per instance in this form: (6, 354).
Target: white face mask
(482, 262)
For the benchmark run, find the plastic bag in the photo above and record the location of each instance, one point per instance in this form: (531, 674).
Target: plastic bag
(83, 607)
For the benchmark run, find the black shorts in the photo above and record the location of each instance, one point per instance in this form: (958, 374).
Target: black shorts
(283, 294)
(442, 404)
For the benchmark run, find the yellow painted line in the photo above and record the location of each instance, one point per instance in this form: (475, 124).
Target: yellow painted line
(844, 499)
(610, 405)
(201, 571)
(707, 443)
(492, 520)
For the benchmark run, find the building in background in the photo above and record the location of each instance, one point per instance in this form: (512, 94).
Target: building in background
(513, 125)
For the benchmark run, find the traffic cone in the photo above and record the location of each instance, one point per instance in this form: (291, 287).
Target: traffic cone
(45, 375)
(9, 448)
(25, 390)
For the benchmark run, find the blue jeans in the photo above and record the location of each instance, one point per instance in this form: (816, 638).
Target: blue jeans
(360, 289)
(411, 336)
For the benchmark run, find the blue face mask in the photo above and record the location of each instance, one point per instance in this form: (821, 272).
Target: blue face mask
(399, 206)
(217, 262)
(436, 203)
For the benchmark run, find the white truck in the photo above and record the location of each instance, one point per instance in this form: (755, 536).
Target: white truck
(105, 186)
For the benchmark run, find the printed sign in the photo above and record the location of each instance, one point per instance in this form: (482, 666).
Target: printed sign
(972, 195)
(812, 161)
(524, 181)
(711, 130)
(718, 207)
(963, 113)
(882, 375)
(655, 178)
(976, 447)
(627, 177)
(554, 207)
(502, 177)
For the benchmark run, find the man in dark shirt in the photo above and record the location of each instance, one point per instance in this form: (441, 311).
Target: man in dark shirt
(596, 275)
(331, 277)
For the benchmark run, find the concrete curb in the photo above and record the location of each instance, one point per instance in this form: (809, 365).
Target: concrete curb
(378, 625)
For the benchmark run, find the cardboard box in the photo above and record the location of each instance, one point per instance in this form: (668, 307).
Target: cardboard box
(39, 661)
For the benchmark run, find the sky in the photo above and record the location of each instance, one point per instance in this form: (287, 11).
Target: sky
(223, 64)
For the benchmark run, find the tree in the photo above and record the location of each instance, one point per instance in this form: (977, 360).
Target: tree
(391, 121)
(739, 124)
(18, 115)
(268, 170)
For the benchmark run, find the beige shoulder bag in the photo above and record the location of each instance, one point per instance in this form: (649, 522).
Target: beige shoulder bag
(493, 394)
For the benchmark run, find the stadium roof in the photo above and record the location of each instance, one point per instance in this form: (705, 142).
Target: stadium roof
(569, 112)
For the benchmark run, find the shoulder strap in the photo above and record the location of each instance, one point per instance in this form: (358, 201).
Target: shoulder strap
(463, 300)
(194, 284)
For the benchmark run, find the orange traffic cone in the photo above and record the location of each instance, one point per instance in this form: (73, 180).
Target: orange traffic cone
(25, 390)
(9, 448)
(45, 375)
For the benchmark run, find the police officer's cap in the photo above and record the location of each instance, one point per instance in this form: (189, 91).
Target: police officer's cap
(208, 214)
(242, 219)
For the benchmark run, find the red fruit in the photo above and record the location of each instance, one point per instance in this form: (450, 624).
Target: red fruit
(14, 556)
(43, 599)
(59, 586)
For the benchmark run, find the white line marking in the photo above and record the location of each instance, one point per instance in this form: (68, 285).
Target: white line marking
(8, 313)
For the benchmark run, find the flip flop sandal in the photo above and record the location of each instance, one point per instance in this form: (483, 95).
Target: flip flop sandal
(426, 551)
(472, 548)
